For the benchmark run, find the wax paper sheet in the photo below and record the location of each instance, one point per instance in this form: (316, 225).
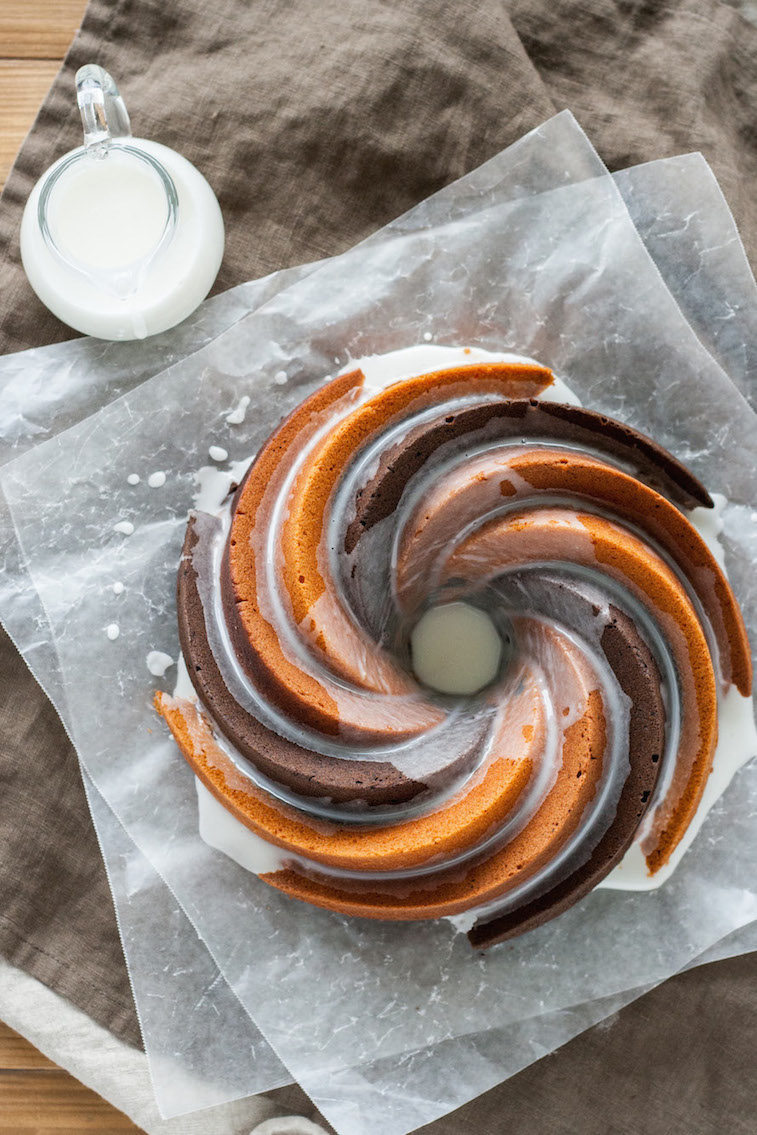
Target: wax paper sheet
(182, 995)
(388, 1026)
(179, 992)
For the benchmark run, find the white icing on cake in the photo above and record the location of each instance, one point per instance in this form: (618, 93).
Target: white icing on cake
(222, 831)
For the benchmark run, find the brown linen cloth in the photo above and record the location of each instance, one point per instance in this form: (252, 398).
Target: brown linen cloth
(316, 123)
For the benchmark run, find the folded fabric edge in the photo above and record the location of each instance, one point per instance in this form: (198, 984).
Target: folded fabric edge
(110, 1067)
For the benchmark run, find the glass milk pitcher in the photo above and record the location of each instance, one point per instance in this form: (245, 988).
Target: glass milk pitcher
(122, 237)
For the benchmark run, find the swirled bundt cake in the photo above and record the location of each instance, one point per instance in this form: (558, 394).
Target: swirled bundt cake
(612, 632)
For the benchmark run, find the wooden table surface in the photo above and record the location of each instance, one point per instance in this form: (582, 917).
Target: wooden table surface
(36, 1097)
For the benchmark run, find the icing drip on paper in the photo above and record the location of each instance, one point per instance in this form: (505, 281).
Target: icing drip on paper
(157, 662)
(238, 414)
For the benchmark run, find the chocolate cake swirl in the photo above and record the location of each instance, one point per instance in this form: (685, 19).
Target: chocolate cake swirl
(296, 610)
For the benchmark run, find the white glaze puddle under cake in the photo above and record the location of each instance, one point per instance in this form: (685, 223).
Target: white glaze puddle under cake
(457, 647)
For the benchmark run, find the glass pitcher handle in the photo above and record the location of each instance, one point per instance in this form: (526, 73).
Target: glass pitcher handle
(103, 113)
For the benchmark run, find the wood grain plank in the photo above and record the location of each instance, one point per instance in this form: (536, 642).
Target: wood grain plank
(52, 1101)
(16, 1053)
(38, 29)
(23, 86)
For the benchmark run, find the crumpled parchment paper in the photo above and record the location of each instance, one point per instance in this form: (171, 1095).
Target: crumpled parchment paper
(540, 252)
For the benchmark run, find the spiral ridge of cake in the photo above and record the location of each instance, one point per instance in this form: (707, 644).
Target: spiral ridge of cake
(571, 533)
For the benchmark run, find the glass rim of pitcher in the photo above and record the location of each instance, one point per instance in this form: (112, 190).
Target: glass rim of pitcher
(90, 153)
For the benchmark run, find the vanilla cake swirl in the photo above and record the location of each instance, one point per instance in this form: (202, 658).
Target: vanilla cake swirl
(296, 607)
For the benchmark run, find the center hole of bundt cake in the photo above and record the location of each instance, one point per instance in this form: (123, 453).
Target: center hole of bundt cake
(455, 648)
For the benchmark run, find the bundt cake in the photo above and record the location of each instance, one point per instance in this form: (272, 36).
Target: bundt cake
(455, 646)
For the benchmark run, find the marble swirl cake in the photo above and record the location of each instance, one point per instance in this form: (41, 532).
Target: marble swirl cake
(297, 603)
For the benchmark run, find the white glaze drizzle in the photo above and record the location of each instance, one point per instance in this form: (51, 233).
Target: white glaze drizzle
(241, 844)
(236, 416)
(214, 484)
(157, 662)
